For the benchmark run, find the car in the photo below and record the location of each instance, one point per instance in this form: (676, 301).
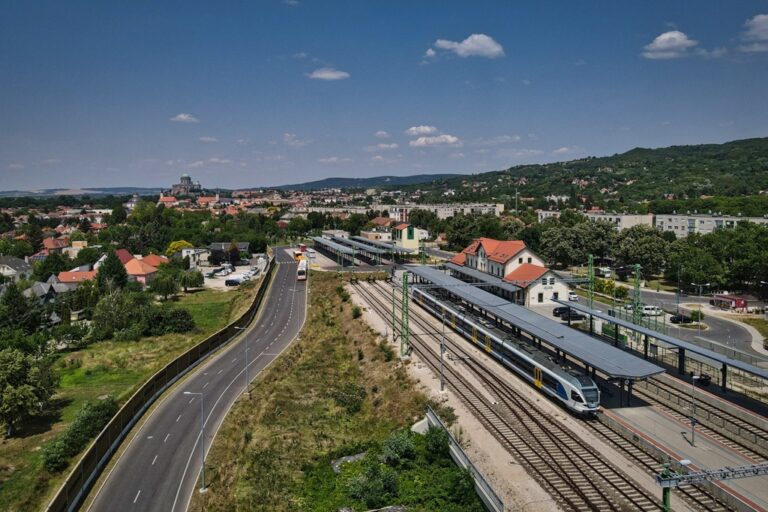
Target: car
(573, 297)
(652, 311)
(680, 319)
(573, 316)
(559, 311)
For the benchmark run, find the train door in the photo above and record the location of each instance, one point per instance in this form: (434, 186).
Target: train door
(537, 377)
(474, 334)
(453, 320)
(487, 343)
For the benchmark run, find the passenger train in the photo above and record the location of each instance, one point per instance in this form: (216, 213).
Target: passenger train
(301, 272)
(574, 390)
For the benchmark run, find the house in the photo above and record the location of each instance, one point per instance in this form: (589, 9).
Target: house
(407, 236)
(155, 260)
(123, 255)
(515, 263)
(140, 271)
(14, 268)
(47, 291)
(76, 276)
(51, 245)
(219, 251)
(378, 234)
(381, 222)
(197, 257)
(167, 201)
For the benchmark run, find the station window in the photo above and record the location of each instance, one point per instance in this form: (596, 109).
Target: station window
(530, 260)
(540, 298)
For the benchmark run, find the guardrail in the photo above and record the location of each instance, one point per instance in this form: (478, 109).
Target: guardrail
(86, 471)
(484, 490)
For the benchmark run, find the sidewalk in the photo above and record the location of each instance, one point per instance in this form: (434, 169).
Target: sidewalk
(757, 338)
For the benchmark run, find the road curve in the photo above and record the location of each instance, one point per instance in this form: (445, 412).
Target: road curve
(159, 469)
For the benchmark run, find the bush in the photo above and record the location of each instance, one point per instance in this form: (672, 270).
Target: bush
(438, 443)
(342, 293)
(389, 354)
(165, 320)
(88, 422)
(398, 449)
(357, 312)
(132, 333)
(697, 315)
(376, 487)
(350, 397)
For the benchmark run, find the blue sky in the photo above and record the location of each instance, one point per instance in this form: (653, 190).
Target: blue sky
(130, 93)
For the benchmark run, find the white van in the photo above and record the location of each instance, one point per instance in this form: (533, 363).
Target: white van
(573, 297)
(652, 311)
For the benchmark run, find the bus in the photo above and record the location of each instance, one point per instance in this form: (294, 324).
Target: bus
(301, 272)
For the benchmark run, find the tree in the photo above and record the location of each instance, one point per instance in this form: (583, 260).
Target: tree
(87, 256)
(26, 385)
(119, 214)
(233, 253)
(51, 265)
(112, 274)
(111, 314)
(191, 280)
(165, 285)
(16, 311)
(177, 246)
(642, 245)
(84, 225)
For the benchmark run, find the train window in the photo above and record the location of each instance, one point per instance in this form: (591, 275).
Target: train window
(575, 397)
(591, 395)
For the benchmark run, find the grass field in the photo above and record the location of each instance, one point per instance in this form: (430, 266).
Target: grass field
(335, 392)
(104, 368)
(761, 325)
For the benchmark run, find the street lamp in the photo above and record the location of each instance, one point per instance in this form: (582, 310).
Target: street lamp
(202, 439)
(246, 360)
(694, 378)
(700, 286)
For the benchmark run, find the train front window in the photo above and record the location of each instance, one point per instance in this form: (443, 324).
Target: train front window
(591, 395)
(576, 397)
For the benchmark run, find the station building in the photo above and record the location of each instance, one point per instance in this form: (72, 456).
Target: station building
(515, 263)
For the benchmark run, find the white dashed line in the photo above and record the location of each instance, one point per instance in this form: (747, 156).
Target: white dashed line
(137, 496)
(153, 460)
(191, 400)
(166, 437)
(177, 419)
(204, 385)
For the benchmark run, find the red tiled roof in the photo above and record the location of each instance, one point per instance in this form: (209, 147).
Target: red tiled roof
(498, 251)
(402, 226)
(525, 274)
(55, 243)
(76, 277)
(168, 199)
(381, 221)
(459, 259)
(154, 260)
(124, 256)
(139, 268)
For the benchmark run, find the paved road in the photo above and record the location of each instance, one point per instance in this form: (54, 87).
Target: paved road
(439, 253)
(159, 470)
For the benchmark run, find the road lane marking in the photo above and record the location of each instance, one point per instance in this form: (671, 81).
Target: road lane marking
(204, 385)
(191, 400)
(177, 419)
(154, 460)
(219, 371)
(166, 437)
(137, 496)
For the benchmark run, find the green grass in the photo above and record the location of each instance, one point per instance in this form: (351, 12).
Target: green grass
(104, 368)
(760, 324)
(273, 449)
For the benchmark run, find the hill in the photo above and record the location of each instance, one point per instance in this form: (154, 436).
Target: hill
(375, 182)
(115, 191)
(732, 169)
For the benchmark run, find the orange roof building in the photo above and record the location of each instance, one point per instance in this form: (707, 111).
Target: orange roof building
(525, 274)
(77, 276)
(140, 271)
(155, 260)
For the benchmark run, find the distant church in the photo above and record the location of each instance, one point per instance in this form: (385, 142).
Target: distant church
(186, 187)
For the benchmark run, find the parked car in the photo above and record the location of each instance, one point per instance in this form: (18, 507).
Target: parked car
(560, 310)
(573, 316)
(680, 319)
(652, 311)
(573, 297)
(232, 282)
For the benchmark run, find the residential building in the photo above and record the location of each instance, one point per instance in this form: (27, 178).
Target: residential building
(140, 271)
(167, 201)
(197, 257)
(76, 276)
(400, 212)
(155, 260)
(684, 225)
(406, 236)
(543, 215)
(622, 220)
(380, 235)
(515, 263)
(14, 268)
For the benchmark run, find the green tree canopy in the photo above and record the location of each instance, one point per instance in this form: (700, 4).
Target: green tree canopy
(112, 274)
(26, 385)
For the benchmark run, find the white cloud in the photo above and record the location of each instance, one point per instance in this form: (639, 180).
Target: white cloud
(334, 160)
(430, 53)
(566, 150)
(476, 45)
(328, 74)
(456, 155)
(300, 55)
(15, 166)
(379, 159)
(444, 140)
(291, 3)
(382, 147)
(217, 160)
(196, 164)
(498, 140)
(208, 139)
(381, 134)
(290, 139)
(184, 118)
(518, 153)
(420, 130)
(669, 45)
(756, 34)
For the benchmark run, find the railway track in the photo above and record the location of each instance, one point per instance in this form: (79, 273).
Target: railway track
(734, 423)
(571, 470)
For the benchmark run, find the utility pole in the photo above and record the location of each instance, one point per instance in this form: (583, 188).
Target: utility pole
(591, 277)
(422, 252)
(393, 309)
(637, 313)
(693, 408)
(405, 345)
(442, 351)
(700, 287)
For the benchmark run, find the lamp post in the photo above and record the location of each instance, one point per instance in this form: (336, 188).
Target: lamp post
(694, 378)
(442, 351)
(202, 439)
(247, 382)
(700, 286)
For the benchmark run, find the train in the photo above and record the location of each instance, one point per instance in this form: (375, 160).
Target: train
(574, 390)
(301, 272)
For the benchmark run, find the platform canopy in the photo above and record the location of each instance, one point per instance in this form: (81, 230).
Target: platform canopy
(669, 340)
(476, 275)
(610, 360)
(330, 244)
(389, 246)
(359, 245)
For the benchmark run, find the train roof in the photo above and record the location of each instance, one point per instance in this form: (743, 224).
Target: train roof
(611, 360)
